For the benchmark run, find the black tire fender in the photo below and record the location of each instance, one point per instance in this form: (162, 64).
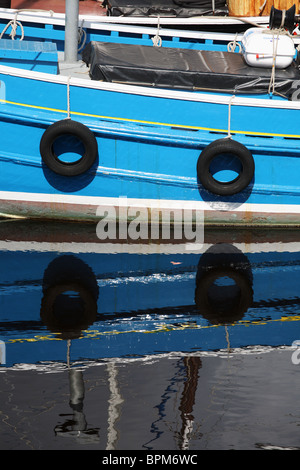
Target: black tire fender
(213, 150)
(82, 133)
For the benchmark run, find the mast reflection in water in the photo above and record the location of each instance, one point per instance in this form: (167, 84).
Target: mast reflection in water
(146, 334)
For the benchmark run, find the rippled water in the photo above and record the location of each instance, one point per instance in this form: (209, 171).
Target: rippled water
(149, 347)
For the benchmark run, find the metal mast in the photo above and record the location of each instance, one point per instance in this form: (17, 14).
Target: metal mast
(71, 31)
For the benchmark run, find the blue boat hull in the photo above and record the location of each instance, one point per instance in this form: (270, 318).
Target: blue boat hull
(149, 144)
(149, 141)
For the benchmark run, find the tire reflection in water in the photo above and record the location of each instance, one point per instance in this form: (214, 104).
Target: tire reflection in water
(224, 280)
(70, 294)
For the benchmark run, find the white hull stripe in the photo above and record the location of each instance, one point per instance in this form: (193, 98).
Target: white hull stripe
(140, 248)
(148, 203)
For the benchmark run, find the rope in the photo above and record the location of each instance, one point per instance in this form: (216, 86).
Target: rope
(68, 98)
(245, 20)
(14, 26)
(283, 19)
(35, 10)
(81, 34)
(271, 89)
(231, 46)
(263, 6)
(157, 39)
(229, 117)
(15, 23)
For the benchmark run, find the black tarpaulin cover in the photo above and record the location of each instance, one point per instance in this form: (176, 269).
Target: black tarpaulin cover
(169, 8)
(182, 69)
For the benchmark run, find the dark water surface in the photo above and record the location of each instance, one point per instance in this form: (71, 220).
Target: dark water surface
(154, 347)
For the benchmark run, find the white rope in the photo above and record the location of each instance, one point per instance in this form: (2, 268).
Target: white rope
(35, 10)
(15, 23)
(157, 39)
(68, 98)
(229, 117)
(271, 89)
(14, 26)
(232, 45)
(263, 6)
(283, 19)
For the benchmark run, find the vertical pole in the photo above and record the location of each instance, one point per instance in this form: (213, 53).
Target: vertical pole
(71, 31)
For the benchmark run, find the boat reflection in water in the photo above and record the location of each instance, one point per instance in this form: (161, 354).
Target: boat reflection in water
(70, 302)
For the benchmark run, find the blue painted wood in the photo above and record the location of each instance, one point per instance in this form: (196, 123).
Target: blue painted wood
(29, 55)
(145, 304)
(148, 144)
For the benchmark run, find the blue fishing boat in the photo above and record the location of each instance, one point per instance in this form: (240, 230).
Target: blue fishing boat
(151, 128)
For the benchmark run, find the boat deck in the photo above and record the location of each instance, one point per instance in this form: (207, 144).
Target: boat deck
(77, 70)
(86, 7)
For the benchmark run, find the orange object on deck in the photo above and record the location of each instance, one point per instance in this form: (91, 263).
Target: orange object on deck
(258, 7)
